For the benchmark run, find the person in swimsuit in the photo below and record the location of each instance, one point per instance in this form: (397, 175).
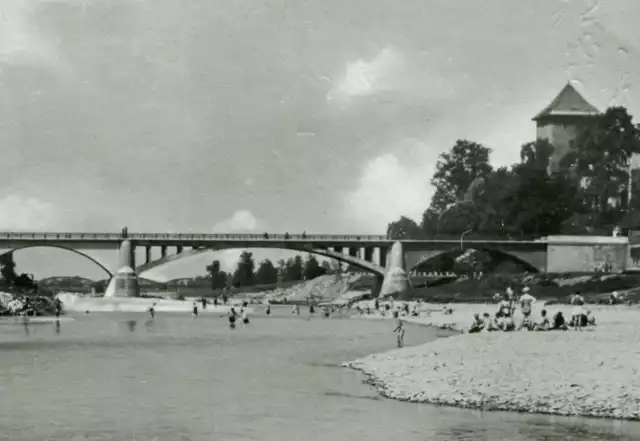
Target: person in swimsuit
(58, 306)
(544, 324)
(245, 317)
(400, 330)
(526, 301)
(232, 318)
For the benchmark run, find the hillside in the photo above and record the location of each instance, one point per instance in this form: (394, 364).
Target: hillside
(321, 289)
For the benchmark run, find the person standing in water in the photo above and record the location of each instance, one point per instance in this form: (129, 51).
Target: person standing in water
(195, 309)
(152, 310)
(232, 318)
(268, 311)
(58, 305)
(204, 303)
(400, 330)
(245, 317)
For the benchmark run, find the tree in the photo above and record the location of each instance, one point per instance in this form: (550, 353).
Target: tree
(244, 274)
(312, 268)
(294, 268)
(267, 273)
(456, 171)
(429, 223)
(218, 277)
(600, 161)
(458, 218)
(404, 228)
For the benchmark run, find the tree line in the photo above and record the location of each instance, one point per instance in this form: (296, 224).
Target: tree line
(247, 273)
(588, 193)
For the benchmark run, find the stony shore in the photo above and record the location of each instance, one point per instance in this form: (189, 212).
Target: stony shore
(591, 373)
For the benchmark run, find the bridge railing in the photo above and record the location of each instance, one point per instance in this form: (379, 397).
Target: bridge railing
(188, 237)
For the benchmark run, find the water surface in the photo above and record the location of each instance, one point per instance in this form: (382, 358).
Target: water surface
(185, 378)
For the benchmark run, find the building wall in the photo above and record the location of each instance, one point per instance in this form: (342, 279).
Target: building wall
(578, 258)
(560, 132)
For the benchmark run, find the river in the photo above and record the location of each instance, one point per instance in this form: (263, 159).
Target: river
(184, 378)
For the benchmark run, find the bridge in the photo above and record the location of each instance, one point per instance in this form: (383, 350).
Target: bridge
(376, 254)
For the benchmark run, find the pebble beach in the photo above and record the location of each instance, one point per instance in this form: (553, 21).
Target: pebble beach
(593, 372)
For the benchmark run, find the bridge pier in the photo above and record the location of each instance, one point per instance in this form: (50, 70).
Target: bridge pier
(147, 254)
(395, 281)
(179, 249)
(353, 252)
(163, 251)
(384, 251)
(125, 282)
(368, 254)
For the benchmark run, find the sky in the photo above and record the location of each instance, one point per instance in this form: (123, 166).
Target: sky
(238, 116)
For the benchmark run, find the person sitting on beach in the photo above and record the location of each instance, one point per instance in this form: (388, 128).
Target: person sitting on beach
(526, 324)
(591, 319)
(415, 312)
(544, 324)
(559, 323)
(400, 330)
(477, 325)
(489, 324)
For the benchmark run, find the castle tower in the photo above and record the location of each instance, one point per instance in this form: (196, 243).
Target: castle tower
(561, 121)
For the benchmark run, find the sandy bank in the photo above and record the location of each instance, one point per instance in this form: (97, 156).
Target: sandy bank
(588, 373)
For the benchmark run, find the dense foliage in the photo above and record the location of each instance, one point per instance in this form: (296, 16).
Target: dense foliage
(246, 273)
(586, 194)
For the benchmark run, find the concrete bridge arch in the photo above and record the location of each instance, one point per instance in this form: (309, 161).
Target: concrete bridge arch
(183, 254)
(105, 268)
(534, 260)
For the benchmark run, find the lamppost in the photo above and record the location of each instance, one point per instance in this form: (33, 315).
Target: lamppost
(462, 238)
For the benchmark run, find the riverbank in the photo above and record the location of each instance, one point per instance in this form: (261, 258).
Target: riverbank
(590, 373)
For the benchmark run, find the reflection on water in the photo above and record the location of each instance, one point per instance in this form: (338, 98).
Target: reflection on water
(127, 376)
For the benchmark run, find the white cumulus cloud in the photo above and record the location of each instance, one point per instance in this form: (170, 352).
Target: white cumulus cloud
(242, 221)
(368, 77)
(386, 190)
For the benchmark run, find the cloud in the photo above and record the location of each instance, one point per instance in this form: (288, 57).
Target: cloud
(242, 221)
(386, 190)
(19, 213)
(368, 77)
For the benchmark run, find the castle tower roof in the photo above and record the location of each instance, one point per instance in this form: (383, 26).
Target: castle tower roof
(569, 102)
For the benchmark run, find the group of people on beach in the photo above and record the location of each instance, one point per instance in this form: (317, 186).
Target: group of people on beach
(503, 319)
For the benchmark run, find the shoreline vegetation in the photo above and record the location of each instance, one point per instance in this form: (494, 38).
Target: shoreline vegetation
(591, 373)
